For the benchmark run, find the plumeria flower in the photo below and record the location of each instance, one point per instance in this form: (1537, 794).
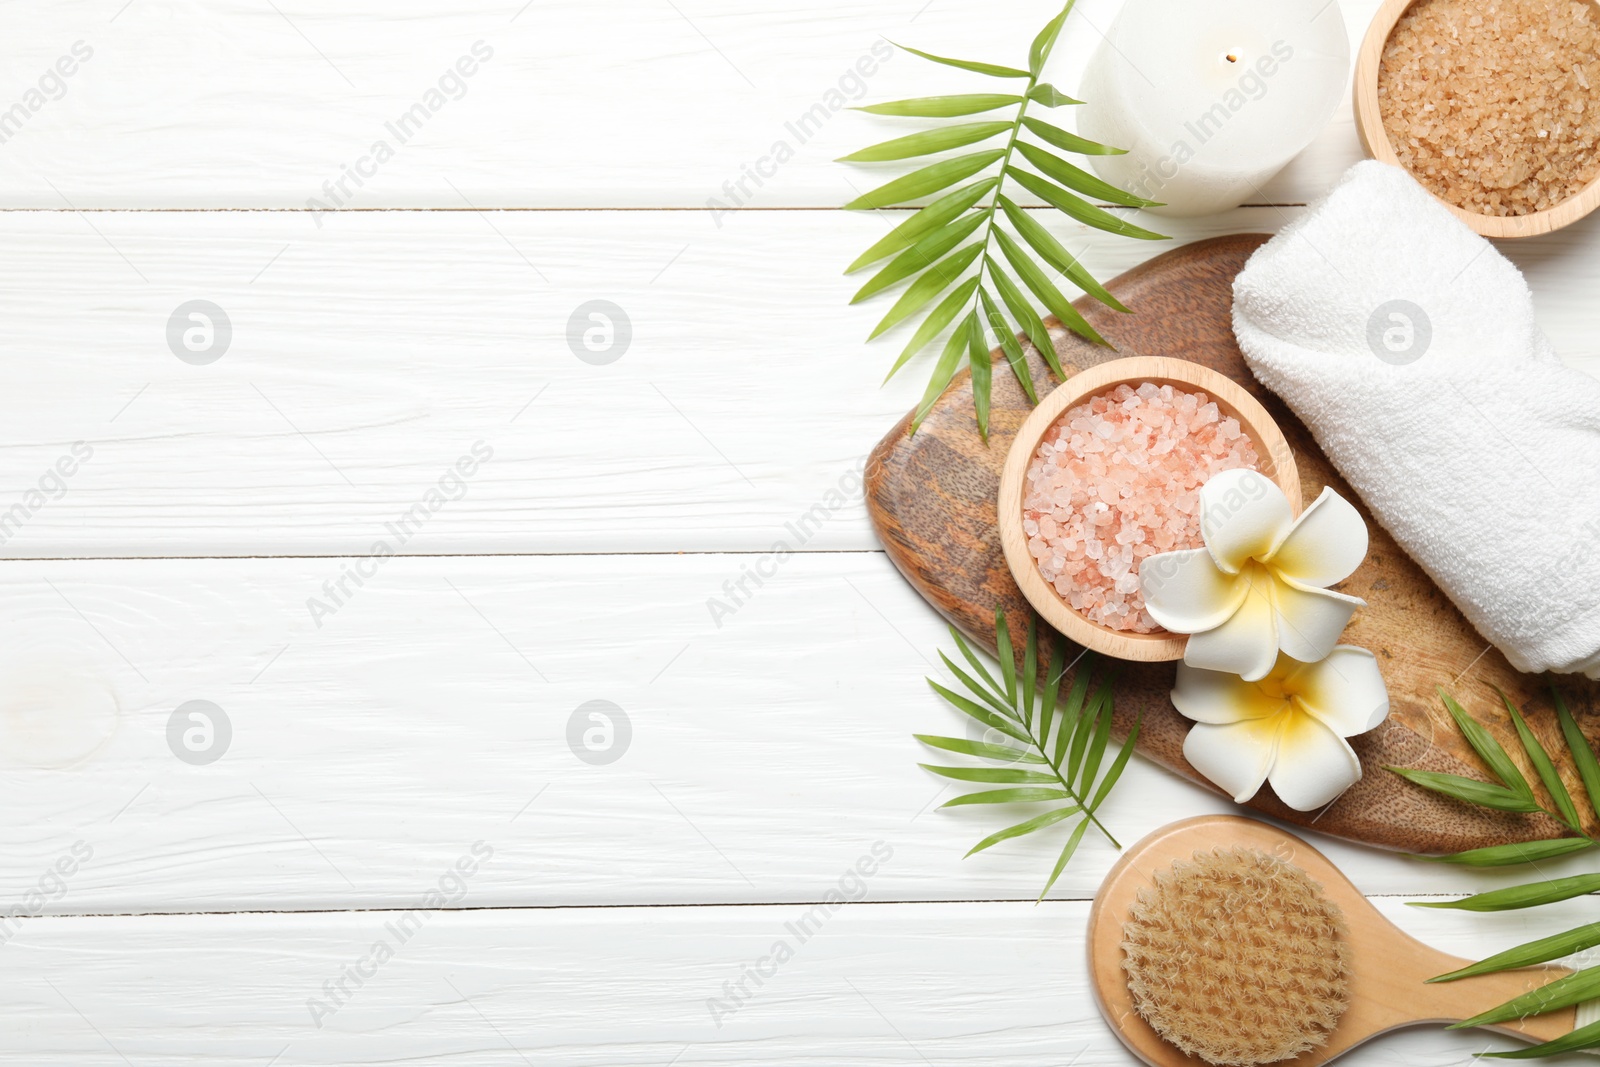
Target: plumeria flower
(1259, 586)
(1289, 728)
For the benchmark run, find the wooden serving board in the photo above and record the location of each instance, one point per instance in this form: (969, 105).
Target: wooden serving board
(932, 501)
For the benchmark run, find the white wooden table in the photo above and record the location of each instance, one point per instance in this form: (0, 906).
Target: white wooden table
(408, 734)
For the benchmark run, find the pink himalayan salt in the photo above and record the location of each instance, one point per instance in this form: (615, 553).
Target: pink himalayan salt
(1117, 479)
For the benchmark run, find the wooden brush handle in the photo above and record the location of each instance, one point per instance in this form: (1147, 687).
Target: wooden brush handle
(1389, 969)
(1394, 990)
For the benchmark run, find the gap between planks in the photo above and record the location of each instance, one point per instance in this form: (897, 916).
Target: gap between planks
(669, 905)
(504, 210)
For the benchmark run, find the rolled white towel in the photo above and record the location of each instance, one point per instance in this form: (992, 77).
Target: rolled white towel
(1406, 343)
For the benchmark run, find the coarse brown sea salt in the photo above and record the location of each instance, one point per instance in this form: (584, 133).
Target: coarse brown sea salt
(1495, 106)
(1117, 479)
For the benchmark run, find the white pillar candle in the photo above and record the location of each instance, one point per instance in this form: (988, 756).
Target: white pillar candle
(1211, 97)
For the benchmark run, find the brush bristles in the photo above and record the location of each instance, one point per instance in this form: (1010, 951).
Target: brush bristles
(1237, 958)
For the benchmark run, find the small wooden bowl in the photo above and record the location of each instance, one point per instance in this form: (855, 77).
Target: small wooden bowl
(1375, 140)
(1277, 463)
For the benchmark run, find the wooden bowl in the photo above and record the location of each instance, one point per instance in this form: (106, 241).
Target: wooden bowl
(1375, 140)
(1277, 463)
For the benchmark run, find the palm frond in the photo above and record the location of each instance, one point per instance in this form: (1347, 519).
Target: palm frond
(987, 308)
(1510, 791)
(1062, 740)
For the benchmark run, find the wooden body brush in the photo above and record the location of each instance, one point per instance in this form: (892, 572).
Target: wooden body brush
(1223, 940)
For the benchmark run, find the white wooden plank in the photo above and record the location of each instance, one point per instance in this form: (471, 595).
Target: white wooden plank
(628, 103)
(872, 984)
(367, 358)
(432, 709)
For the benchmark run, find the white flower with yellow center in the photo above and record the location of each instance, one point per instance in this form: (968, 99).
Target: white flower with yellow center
(1289, 728)
(1259, 586)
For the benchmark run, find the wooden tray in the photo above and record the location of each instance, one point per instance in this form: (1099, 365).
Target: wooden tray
(932, 501)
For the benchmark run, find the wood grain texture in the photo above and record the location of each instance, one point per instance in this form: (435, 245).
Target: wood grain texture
(932, 497)
(391, 342)
(434, 707)
(875, 985)
(626, 103)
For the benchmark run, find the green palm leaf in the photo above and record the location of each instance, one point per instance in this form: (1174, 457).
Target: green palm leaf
(937, 320)
(972, 659)
(1079, 208)
(978, 308)
(1543, 767)
(1562, 993)
(1070, 141)
(1038, 822)
(1582, 755)
(927, 219)
(981, 714)
(1048, 95)
(929, 179)
(1039, 51)
(991, 69)
(1487, 748)
(1073, 711)
(1055, 253)
(1053, 166)
(1043, 288)
(1007, 658)
(1018, 795)
(1582, 1038)
(981, 692)
(1009, 345)
(1516, 852)
(982, 374)
(1118, 765)
(1066, 857)
(981, 749)
(928, 142)
(955, 347)
(943, 107)
(1023, 312)
(1511, 792)
(1040, 708)
(1515, 897)
(995, 775)
(1483, 794)
(1543, 950)
(932, 282)
(925, 253)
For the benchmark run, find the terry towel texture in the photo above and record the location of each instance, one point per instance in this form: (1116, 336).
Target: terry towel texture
(1459, 427)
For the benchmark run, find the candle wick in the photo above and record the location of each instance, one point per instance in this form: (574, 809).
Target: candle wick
(1232, 58)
